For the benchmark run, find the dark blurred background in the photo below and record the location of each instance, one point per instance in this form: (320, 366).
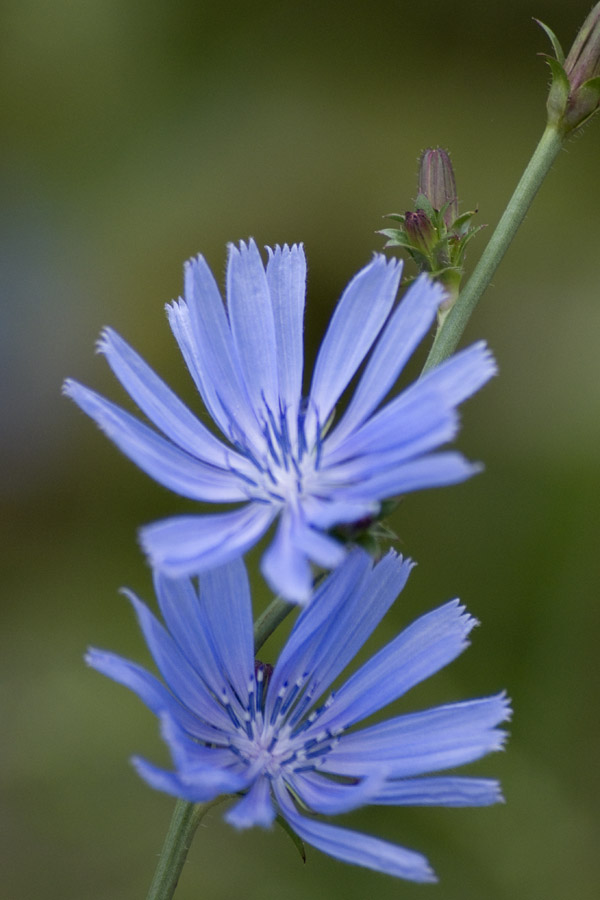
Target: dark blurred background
(139, 133)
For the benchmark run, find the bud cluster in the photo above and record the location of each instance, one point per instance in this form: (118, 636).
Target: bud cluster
(434, 234)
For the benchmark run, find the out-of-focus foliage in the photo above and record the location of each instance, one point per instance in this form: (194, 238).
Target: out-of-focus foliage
(139, 133)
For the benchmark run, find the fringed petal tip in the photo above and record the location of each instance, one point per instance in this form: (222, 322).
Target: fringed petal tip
(106, 340)
(506, 706)
(284, 249)
(175, 306)
(93, 658)
(392, 263)
(193, 261)
(458, 612)
(243, 247)
(488, 363)
(400, 561)
(69, 388)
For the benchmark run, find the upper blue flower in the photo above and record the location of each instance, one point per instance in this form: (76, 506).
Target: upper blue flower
(247, 363)
(279, 738)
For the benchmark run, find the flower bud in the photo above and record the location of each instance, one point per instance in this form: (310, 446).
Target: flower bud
(575, 91)
(437, 182)
(419, 230)
(583, 61)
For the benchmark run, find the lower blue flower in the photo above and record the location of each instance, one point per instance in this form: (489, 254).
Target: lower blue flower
(278, 739)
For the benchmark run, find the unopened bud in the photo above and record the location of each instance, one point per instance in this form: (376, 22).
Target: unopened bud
(583, 61)
(420, 230)
(575, 91)
(437, 182)
(434, 234)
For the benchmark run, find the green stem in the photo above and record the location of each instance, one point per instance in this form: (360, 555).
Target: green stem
(187, 816)
(185, 820)
(450, 332)
(267, 622)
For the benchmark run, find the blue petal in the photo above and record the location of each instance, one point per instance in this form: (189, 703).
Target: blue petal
(202, 791)
(414, 443)
(399, 428)
(162, 460)
(286, 277)
(150, 691)
(356, 322)
(462, 375)
(285, 567)
(185, 683)
(255, 808)
(358, 849)
(439, 791)
(423, 648)
(329, 798)
(186, 545)
(185, 618)
(252, 325)
(181, 326)
(224, 391)
(197, 763)
(405, 330)
(324, 512)
(168, 782)
(435, 470)
(162, 406)
(422, 408)
(285, 564)
(321, 548)
(227, 607)
(438, 738)
(301, 654)
(345, 610)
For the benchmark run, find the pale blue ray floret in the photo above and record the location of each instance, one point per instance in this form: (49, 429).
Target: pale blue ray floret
(278, 738)
(279, 460)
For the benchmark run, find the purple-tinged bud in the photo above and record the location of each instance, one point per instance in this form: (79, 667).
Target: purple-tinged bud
(434, 234)
(575, 91)
(437, 182)
(419, 230)
(583, 61)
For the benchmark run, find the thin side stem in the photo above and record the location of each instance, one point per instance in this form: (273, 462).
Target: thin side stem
(452, 328)
(277, 610)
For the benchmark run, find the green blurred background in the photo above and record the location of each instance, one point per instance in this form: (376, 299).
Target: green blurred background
(139, 133)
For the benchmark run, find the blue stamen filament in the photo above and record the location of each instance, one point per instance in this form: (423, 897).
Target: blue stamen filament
(275, 712)
(279, 463)
(269, 747)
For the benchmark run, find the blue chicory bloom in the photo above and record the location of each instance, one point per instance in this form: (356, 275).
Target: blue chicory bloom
(280, 460)
(278, 739)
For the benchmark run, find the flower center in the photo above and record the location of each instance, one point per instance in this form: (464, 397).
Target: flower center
(284, 462)
(272, 737)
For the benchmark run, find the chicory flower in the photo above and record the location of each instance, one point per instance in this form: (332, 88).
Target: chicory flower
(280, 458)
(278, 739)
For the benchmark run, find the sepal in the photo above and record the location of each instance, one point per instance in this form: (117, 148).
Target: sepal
(296, 841)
